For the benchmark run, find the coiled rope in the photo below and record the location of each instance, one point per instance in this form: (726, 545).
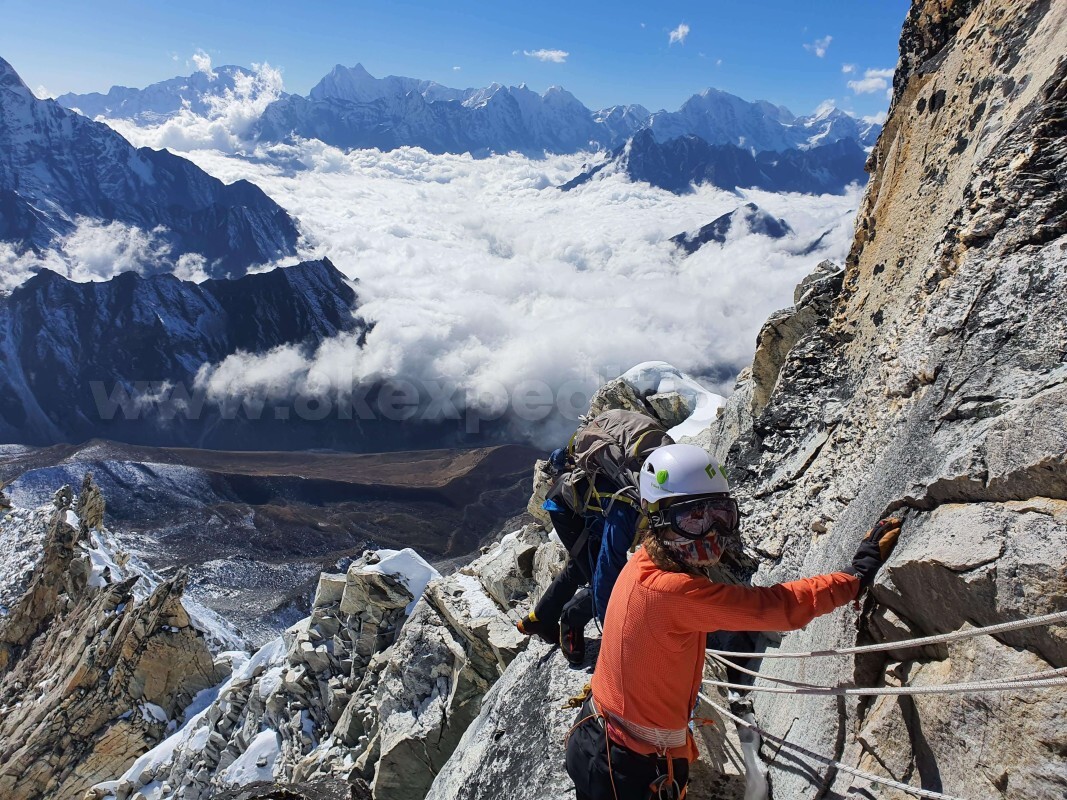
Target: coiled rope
(1031, 622)
(866, 776)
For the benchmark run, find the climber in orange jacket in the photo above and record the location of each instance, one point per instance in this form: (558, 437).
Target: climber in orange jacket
(632, 738)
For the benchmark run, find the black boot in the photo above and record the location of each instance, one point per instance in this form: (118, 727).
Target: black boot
(530, 625)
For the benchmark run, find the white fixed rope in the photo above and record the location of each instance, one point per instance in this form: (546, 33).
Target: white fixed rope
(1008, 685)
(1031, 622)
(866, 776)
(1030, 676)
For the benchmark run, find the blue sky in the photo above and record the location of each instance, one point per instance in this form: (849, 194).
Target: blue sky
(794, 53)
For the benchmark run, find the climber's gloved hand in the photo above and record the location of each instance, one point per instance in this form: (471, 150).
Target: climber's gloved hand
(874, 550)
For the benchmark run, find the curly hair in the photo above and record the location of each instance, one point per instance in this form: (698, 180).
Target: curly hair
(662, 556)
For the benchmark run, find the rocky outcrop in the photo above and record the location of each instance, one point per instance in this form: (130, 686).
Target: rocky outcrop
(933, 386)
(97, 675)
(284, 702)
(358, 692)
(811, 308)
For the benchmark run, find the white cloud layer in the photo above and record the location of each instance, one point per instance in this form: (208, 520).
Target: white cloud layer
(873, 80)
(555, 56)
(678, 35)
(819, 46)
(481, 273)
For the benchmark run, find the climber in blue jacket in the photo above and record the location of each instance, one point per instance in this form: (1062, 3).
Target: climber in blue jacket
(597, 528)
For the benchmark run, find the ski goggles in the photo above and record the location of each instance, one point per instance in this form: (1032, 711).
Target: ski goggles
(704, 516)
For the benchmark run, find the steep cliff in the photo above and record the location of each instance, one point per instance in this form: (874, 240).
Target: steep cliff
(933, 385)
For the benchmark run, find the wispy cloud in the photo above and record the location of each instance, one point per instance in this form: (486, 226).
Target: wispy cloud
(848, 69)
(873, 80)
(202, 61)
(43, 92)
(555, 56)
(456, 69)
(679, 34)
(819, 46)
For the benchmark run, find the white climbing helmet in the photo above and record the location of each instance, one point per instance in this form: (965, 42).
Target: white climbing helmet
(678, 470)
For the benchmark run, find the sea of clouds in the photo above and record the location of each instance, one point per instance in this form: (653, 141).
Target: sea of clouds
(482, 273)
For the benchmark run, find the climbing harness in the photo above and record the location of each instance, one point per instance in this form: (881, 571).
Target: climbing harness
(664, 786)
(866, 776)
(1031, 622)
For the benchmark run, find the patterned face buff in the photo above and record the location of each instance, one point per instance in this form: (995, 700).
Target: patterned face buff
(703, 552)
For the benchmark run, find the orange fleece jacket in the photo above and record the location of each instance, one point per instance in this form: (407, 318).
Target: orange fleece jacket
(652, 652)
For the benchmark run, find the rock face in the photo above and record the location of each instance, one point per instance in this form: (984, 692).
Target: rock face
(932, 386)
(73, 715)
(358, 692)
(56, 166)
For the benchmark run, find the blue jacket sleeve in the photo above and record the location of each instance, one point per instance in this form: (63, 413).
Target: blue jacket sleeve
(620, 525)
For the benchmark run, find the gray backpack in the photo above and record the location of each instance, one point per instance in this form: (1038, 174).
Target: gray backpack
(614, 445)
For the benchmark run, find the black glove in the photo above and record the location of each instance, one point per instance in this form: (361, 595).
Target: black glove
(874, 550)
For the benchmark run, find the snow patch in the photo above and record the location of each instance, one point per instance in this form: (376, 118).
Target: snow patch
(409, 568)
(256, 763)
(655, 377)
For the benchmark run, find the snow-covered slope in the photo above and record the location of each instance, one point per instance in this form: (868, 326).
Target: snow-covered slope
(350, 108)
(58, 168)
(718, 117)
(677, 164)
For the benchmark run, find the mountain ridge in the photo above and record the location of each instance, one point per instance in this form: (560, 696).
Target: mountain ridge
(58, 167)
(349, 107)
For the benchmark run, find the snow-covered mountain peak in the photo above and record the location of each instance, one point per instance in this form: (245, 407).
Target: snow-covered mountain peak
(347, 83)
(10, 80)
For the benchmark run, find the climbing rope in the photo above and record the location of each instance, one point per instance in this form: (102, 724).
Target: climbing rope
(1009, 685)
(866, 776)
(1032, 622)
(1028, 677)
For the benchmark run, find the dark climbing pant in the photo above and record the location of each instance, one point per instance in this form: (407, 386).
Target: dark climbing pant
(630, 776)
(563, 600)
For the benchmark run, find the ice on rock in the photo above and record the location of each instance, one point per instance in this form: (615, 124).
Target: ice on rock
(658, 377)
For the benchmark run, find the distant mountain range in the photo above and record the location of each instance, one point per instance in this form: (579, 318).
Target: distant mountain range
(679, 164)
(196, 93)
(58, 337)
(57, 166)
(350, 108)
